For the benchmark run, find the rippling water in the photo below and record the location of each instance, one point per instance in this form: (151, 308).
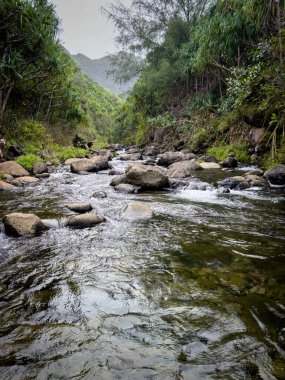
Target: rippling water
(197, 292)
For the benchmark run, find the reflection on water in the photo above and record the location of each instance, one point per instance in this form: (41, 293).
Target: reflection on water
(198, 292)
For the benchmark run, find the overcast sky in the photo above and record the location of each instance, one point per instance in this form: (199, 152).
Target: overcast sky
(85, 29)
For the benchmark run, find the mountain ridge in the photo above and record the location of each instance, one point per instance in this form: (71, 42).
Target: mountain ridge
(97, 70)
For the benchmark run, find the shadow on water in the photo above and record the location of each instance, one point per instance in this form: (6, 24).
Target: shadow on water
(195, 293)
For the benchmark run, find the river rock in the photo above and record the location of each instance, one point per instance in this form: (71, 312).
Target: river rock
(70, 161)
(147, 177)
(119, 179)
(150, 151)
(115, 172)
(199, 185)
(275, 175)
(131, 157)
(12, 168)
(80, 207)
(237, 182)
(4, 186)
(134, 150)
(183, 169)
(84, 220)
(256, 180)
(229, 162)
(210, 165)
(168, 158)
(26, 180)
(125, 188)
(19, 224)
(90, 165)
(208, 159)
(258, 172)
(43, 175)
(138, 211)
(99, 195)
(40, 168)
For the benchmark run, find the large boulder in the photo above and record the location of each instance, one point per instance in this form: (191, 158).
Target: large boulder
(137, 211)
(40, 168)
(19, 224)
(168, 158)
(90, 165)
(183, 169)
(26, 180)
(146, 176)
(275, 175)
(84, 220)
(70, 161)
(12, 168)
(237, 183)
(80, 207)
(4, 186)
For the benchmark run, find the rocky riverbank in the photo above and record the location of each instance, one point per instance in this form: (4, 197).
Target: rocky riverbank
(144, 172)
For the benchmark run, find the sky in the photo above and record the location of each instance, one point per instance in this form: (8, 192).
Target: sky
(85, 29)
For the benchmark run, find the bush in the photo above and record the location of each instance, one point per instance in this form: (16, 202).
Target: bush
(28, 160)
(70, 152)
(221, 152)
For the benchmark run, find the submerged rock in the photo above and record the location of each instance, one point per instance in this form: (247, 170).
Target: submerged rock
(115, 172)
(19, 224)
(80, 207)
(146, 176)
(237, 182)
(183, 169)
(275, 175)
(138, 211)
(12, 168)
(125, 188)
(84, 220)
(99, 195)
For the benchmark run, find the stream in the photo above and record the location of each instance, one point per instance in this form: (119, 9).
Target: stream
(196, 292)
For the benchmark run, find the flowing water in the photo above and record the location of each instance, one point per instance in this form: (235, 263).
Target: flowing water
(197, 292)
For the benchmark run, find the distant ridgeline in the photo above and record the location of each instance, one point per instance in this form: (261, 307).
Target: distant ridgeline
(97, 69)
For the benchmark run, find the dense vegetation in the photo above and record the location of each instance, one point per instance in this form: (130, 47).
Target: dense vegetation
(44, 97)
(213, 71)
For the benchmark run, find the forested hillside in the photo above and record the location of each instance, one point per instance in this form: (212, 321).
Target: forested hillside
(44, 97)
(98, 69)
(213, 75)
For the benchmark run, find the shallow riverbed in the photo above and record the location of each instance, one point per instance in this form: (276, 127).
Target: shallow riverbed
(197, 292)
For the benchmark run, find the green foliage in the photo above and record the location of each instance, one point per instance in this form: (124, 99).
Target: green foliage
(2, 177)
(221, 152)
(28, 160)
(165, 120)
(70, 152)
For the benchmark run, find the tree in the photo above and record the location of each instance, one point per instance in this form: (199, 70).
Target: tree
(28, 47)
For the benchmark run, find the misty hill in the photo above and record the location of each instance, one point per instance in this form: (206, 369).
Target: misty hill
(97, 69)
